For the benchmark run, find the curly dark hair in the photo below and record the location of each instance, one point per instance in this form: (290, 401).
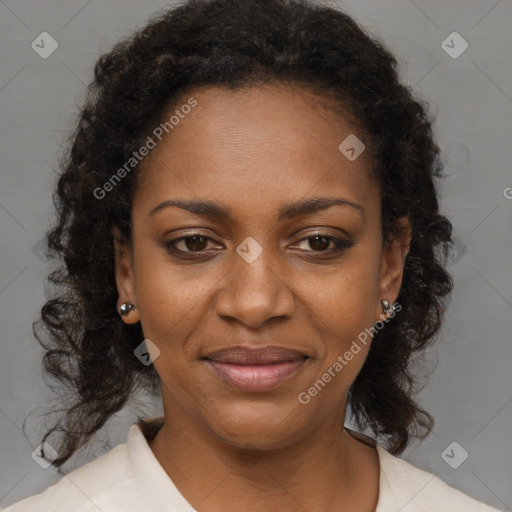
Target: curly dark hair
(237, 43)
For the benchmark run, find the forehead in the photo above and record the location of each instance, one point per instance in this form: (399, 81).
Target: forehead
(260, 142)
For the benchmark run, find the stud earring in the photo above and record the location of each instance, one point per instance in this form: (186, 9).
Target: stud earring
(386, 306)
(126, 307)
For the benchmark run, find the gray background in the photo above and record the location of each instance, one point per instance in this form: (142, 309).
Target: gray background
(470, 391)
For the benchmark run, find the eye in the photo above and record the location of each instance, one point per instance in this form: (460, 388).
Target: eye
(323, 242)
(194, 243)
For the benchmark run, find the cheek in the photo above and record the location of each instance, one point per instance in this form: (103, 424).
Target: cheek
(170, 297)
(344, 300)
(343, 311)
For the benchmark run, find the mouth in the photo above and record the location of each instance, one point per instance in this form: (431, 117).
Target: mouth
(256, 369)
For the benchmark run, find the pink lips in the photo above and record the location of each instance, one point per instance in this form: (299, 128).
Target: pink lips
(256, 369)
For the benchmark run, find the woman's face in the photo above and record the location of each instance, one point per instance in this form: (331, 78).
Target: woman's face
(252, 277)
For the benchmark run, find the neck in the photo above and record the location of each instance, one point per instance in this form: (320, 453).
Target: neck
(322, 470)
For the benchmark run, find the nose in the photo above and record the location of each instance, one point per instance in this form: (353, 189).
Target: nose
(253, 292)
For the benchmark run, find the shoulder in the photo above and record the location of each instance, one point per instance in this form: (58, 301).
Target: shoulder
(414, 490)
(91, 487)
(127, 478)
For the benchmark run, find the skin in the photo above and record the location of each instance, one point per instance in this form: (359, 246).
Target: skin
(254, 151)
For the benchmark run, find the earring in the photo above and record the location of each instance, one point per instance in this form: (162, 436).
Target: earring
(387, 306)
(126, 307)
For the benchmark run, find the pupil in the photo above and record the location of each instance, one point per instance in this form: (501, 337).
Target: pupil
(194, 242)
(320, 247)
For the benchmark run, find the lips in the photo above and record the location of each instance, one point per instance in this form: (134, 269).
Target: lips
(251, 356)
(255, 370)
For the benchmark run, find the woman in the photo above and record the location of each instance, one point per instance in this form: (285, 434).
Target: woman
(249, 222)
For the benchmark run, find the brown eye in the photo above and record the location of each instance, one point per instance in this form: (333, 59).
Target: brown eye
(196, 242)
(323, 242)
(189, 244)
(319, 242)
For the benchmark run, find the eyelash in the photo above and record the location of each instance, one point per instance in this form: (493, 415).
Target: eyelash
(339, 244)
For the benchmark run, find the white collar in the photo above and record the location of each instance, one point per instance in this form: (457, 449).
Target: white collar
(161, 489)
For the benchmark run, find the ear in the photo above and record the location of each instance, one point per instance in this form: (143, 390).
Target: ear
(392, 266)
(124, 277)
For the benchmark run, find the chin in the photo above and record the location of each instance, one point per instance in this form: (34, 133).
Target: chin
(257, 426)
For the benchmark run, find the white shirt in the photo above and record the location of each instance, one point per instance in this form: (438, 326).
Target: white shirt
(129, 478)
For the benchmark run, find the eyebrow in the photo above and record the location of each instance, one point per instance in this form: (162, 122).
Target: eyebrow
(214, 211)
